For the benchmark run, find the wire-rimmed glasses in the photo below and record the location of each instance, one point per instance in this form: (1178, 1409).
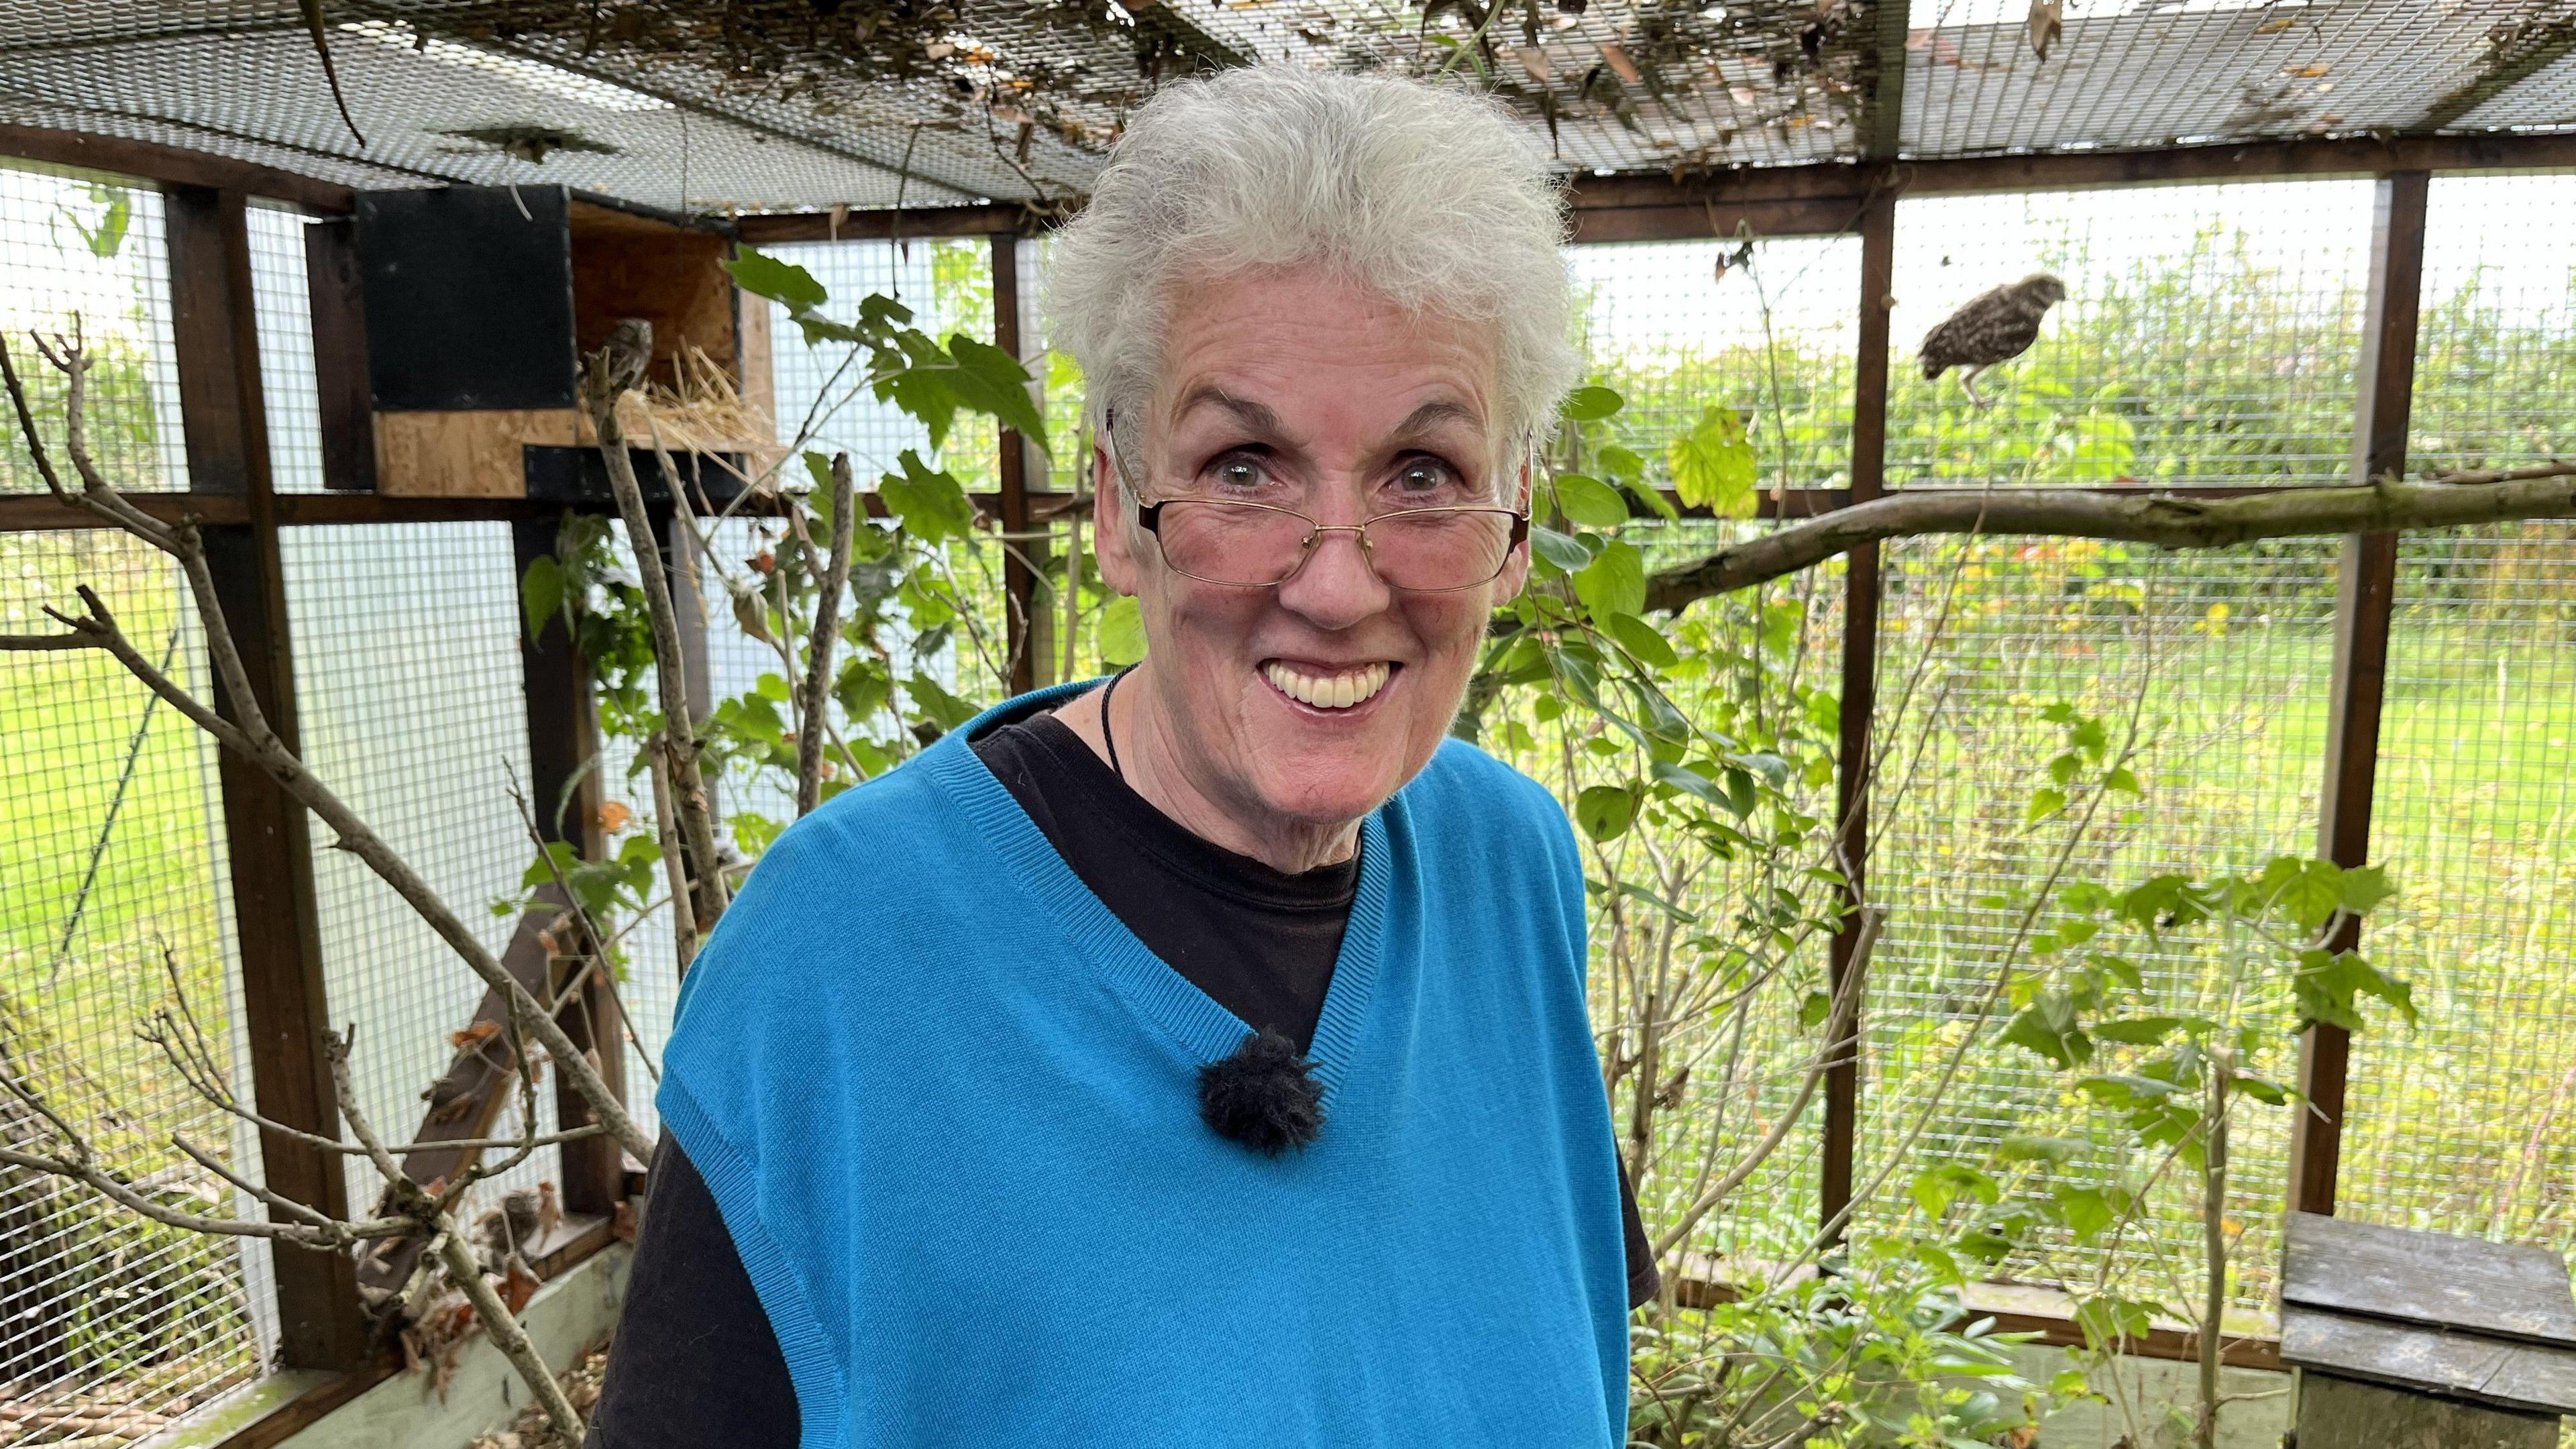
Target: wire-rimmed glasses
(1243, 544)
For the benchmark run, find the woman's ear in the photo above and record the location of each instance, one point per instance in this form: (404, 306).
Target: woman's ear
(1112, 538)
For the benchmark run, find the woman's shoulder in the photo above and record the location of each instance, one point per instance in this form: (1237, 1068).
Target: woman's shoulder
(870, 867)
(1463, 782)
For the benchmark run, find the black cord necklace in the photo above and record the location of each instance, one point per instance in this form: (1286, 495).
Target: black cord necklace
(1108, 741)
(1265, 1096)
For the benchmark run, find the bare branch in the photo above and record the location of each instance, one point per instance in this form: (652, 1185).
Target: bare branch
(506, 1333)
(606, 376)
(818, 649)
(2163, 519)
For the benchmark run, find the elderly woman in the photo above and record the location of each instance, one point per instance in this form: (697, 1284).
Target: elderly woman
(1199, 1058)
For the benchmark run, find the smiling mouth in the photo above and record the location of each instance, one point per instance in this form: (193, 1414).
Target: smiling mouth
(1335, 689)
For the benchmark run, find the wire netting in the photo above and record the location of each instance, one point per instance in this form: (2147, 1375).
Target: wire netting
(2207, 336)
(2222, 662)
(948, 284)
(2495, 356)
(1765, 329)
(84, 250)
(2467, 1124)
(116, 902)
(410, 708)
(283, 310)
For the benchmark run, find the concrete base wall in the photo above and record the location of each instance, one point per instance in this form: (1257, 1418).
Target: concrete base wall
(2160, 1393)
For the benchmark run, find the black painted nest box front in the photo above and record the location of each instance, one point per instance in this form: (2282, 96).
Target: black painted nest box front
(481, 300)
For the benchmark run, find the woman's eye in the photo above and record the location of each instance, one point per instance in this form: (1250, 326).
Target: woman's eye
(1236, 473)
(1425, 477)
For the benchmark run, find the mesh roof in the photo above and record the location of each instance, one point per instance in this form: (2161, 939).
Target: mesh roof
(802, 104)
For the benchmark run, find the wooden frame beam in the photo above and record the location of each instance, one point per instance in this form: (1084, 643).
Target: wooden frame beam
(565, 794)
(2365, 605)
(174, 166)
(1847, 963)
(276, 922)
(1024, 624)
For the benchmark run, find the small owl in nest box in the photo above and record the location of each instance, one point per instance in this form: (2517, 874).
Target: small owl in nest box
(1994, 327)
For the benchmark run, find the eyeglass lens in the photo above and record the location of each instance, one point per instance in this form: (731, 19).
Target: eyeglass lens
(1425, 550)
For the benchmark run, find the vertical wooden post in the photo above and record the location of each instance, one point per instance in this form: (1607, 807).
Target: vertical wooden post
(2366, 597)
(1024, 622)
(563, 736)
(346, 402)
(215, 336)
(1846, 967)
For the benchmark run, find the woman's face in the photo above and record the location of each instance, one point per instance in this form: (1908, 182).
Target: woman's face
(1304, 705)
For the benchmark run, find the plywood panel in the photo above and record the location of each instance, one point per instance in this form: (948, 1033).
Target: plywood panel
(466, 454)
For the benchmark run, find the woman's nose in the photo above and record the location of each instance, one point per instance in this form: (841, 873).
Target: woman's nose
(1337, 587)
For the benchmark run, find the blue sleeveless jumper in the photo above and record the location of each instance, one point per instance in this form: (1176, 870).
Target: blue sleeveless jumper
(948, 1107)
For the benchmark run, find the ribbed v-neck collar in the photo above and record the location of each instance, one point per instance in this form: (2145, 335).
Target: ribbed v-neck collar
(1206, 1031)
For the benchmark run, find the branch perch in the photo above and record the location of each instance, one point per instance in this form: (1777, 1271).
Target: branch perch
(606, 376)
(2448, 501)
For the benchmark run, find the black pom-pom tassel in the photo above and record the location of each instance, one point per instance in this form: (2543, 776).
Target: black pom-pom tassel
(1265, 1096)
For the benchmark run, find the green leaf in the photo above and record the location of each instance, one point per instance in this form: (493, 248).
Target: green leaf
(1556, 549)
(1713, 464)
(932, 505)
(936, 704)
(541, 593)
(2365, 888)
(785, 283)
(1590, 404)
(991, 380)
(1122, 632)
(1621, 463)
(2043, 804)
(1813, 1011)
(2049, 1027)
(1689, 782)
(1589, 501)
(1605, 811)
(819, 468)
(1614, 583)
(2086, 1211)
(2056, 1151)
(1640, 639)
(2264, 1090)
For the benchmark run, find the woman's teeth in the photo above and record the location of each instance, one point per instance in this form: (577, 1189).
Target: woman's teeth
(1328, 691)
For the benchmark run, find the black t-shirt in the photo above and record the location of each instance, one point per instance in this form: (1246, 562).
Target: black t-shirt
(696, 1362)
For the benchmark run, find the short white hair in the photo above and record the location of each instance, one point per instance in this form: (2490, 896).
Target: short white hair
(1430, 197)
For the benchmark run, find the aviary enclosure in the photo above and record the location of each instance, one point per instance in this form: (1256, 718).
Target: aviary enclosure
(2002, 919)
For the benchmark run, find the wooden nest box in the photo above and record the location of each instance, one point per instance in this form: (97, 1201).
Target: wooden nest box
(2415, 1340)
(480, 302)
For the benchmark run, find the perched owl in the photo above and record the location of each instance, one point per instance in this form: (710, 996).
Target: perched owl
(1994, 327)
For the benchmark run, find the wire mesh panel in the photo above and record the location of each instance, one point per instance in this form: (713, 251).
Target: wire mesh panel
(2222, 662)
(113, 902)
(284, 311)
(948, 284)
(2468, 1124)
(1765, 331)
(84, 249)
(2495, 359)
(411, 710)
(2207, 335)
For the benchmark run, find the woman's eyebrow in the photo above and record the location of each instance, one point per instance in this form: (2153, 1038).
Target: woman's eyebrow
(1253, 416)
(1429, 418)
